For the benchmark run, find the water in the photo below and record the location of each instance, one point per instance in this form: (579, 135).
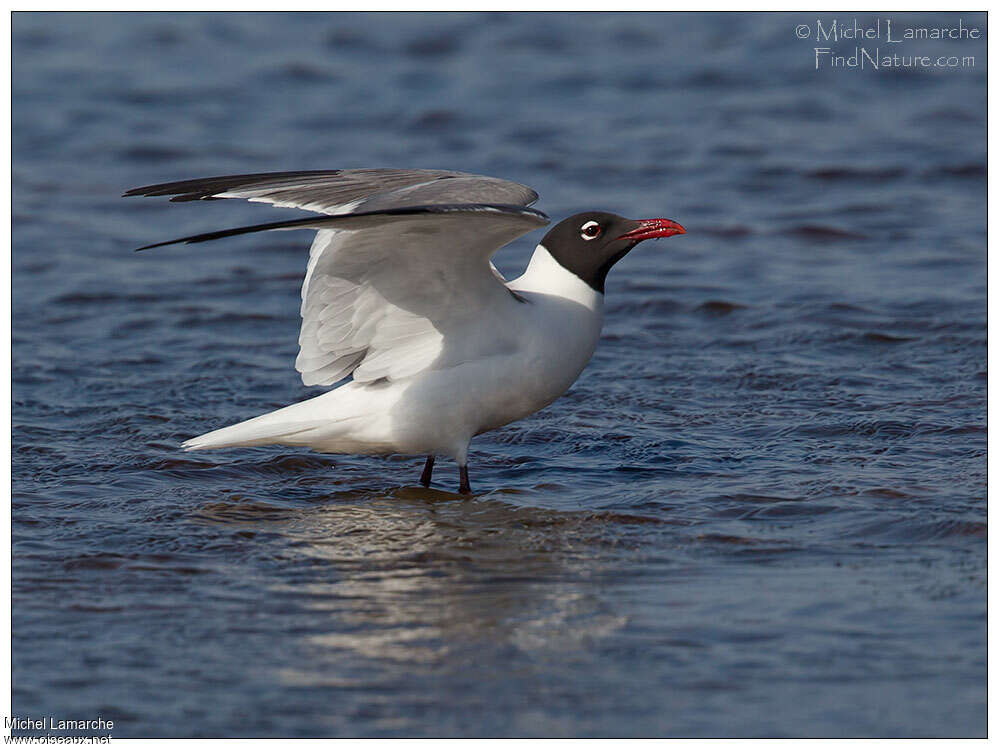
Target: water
(760, 511)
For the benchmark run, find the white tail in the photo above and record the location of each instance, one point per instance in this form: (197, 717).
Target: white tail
(354, 418)
(276, 427)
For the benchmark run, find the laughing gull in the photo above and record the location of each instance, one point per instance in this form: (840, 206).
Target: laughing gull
(401, 294)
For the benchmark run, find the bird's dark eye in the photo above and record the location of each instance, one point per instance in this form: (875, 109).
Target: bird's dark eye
(590, 230)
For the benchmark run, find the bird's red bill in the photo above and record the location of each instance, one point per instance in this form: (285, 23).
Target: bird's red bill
(651, 228)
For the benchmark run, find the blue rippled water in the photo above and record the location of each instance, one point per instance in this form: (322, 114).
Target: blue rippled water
(760, 511)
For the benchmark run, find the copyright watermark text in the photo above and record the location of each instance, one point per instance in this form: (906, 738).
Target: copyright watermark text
(72, 731)
(883, 43)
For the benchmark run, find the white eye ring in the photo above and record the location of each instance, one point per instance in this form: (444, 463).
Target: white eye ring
(587, 227)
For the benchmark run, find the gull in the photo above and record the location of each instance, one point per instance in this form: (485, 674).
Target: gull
(400, 294)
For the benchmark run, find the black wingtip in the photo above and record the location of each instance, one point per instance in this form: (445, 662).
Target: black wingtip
(156, 244)
(321, 222)
(181, 241)
(307, 223)
(206, 188)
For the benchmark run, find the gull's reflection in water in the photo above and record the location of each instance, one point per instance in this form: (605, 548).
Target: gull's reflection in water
(417, 579)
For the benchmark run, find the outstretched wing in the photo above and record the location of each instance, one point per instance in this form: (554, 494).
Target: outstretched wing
(341, 191)
(396, 289)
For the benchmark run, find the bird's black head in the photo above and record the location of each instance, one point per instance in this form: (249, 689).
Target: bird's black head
(588, 244)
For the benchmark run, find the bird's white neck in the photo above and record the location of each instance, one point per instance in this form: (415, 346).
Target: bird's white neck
(546, 275)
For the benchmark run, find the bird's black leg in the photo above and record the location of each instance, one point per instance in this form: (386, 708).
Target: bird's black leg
(428, 472)
(464, 488)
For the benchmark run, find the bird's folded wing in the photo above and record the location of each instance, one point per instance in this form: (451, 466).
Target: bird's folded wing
(391, 293)
(349, 190)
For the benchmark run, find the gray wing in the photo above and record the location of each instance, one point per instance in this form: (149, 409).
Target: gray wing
(342, 191)
(399, 277)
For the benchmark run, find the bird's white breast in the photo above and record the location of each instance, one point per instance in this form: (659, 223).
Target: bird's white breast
(560, 325)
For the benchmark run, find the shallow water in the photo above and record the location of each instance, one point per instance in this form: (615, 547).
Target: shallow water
(760, 511)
